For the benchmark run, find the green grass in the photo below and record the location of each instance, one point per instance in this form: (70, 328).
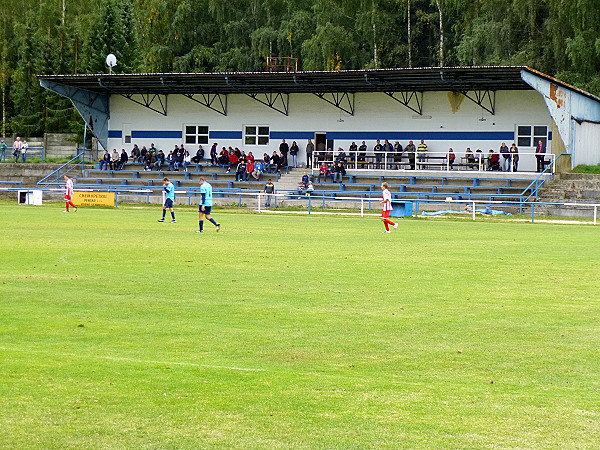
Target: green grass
(295, 331)
(583, 168)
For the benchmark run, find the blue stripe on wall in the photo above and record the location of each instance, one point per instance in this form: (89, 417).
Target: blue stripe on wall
(343, 135)
(293, 135)
(225, 135)
(427, 135)
(155, 134)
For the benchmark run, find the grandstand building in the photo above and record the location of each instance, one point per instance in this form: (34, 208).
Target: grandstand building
(476, 107)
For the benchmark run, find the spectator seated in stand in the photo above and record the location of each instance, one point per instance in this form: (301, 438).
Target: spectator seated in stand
(233, 161)
(338, 172)
(123, 160)
(325, 172)
(105, 161)
(199, 155)
(160, 160)
(240, 171)
(259, 168)
(249, 169)
(493, 160)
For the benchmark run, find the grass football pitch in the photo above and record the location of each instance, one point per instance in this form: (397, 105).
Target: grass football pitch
(295, 332)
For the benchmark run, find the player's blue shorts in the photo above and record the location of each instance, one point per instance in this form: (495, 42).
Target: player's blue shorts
(168, 203)
(206, 211)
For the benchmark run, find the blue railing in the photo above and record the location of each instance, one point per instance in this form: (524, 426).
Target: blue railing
(539, 181)
(32, 152)
(67, 167)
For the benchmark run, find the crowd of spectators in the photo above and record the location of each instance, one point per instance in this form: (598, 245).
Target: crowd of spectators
(395, 156)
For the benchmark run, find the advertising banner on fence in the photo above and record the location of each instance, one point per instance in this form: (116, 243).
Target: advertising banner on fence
(94, 198)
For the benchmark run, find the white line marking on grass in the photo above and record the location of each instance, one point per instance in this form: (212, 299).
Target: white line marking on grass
(142, 361)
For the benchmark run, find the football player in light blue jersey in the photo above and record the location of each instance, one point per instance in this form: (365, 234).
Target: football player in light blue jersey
(169, 189)
(205, 206)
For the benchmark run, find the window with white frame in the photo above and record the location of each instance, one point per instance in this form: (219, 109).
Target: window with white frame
(529, 135)
(195, 134)
(256, 135)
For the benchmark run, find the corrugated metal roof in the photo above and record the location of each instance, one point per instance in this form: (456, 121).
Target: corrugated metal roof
(376, 80)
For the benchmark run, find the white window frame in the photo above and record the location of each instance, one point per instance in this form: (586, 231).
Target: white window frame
(259, 138)
(196, 135)
(533, 137)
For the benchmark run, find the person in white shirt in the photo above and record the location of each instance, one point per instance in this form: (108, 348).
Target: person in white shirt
(386, 207)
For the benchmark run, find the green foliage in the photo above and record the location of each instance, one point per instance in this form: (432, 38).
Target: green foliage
(558, 37)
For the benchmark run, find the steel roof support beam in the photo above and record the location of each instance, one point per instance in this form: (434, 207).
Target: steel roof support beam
(413, 100)
(484, 98)
(341, 100)
(209, 100)
(272, 99)
(154, 102)
(92, 106)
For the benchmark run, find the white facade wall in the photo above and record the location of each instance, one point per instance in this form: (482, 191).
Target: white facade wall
(377, 116)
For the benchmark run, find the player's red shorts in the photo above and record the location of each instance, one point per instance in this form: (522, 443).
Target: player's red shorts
(67, 197)
(385, 214)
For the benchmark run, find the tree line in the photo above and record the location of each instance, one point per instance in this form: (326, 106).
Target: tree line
(558, 37)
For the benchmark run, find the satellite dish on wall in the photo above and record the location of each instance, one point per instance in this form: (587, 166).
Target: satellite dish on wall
(111, 61)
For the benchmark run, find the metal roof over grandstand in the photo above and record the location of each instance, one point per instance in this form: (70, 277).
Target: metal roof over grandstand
(376, 80)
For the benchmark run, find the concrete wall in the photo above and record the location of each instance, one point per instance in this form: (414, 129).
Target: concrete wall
(30, 174)
(377, 116)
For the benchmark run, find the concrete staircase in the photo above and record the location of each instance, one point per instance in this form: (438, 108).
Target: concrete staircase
(571, 188)
(287, 181)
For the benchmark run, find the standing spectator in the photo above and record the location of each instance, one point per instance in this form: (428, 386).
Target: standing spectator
(284, 148)
(386, 207)
(3, 148)
(352, 152)
(397, 154)
(114, 161)
(540, 151)
(269, 191)
(362, 154)
(105, 161)
(259, 168)
(422, 150)
(338, 172)
(387, 153)
(153, 149)
(205, 207)
(505, 157)
(213, 155)
(378, 149)
(310, 148)
(24, 149)
(294, 153)
(410, 152)
(69, 194)
(514, 154)
(450, 156)
(17, 148)
(324, 172)
(169, 190)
